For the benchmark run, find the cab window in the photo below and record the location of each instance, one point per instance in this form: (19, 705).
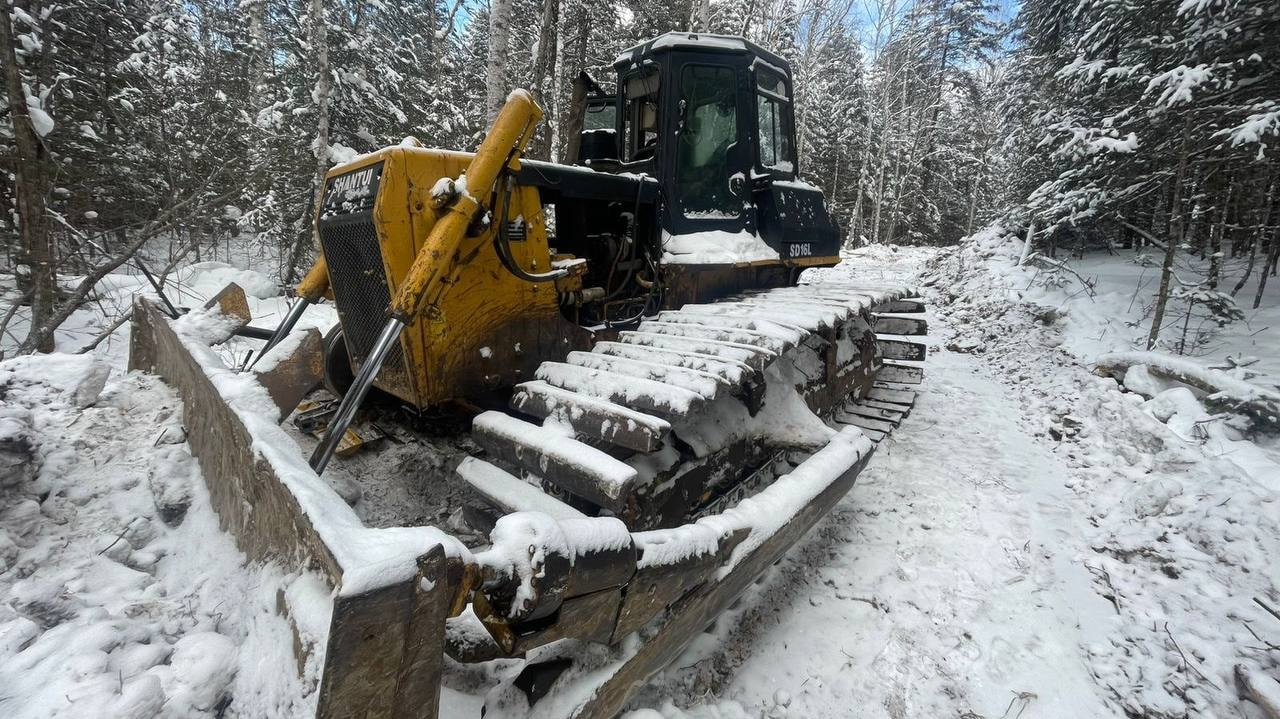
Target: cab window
(601, 114)
(640, 124)
(773, 122)
(708, 130)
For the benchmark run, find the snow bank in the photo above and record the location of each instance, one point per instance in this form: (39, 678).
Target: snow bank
(1179, 508)
(116, 599)
(1224, 391)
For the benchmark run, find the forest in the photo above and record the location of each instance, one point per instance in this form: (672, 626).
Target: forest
(139, 136)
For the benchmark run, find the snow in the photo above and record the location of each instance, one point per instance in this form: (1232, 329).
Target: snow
(41, 122)
(701, 41)
(521, 543)
(1179, 83)
(1256, 126)
(1224, 385)
(120, 596)
(632, 391)
(714, 247)
(340, 154)
(699, 383)
(189, 286)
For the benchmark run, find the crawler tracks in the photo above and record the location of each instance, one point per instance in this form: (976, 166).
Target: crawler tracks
(742, 422)
(656, 404)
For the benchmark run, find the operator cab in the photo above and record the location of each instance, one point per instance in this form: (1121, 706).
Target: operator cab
(711, 118)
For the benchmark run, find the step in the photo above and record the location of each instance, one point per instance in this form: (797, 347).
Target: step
(509, 493)
(591, 416)
(577, 468)
(637, 393)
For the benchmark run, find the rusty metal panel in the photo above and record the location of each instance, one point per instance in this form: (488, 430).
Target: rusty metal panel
(232, 303)
(293, 376)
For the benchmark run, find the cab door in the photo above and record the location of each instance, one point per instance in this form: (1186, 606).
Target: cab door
(710, 158)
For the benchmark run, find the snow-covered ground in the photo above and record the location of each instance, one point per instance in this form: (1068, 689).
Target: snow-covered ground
(119, 594)
(1032, 542)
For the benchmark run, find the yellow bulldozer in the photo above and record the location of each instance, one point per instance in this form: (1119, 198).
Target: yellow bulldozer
(663, 402)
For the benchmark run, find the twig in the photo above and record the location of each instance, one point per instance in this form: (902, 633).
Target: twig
(1026, 697)
(106, 333)
(1267, 608)
(1186, 661)
(1272, 647)
(1150, 238)
(117, 539)
(1049, 263)
(1136, 289)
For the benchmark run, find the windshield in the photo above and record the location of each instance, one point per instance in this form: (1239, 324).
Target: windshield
(708, 130)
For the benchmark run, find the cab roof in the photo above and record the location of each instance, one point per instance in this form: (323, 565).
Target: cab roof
(698, 42)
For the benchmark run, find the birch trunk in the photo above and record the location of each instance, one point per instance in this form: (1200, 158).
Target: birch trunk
(495, 78)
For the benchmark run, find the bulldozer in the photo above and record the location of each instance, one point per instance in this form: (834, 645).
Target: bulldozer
(663, 400)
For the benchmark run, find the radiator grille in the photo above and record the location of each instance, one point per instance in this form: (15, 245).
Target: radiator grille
(359, 283)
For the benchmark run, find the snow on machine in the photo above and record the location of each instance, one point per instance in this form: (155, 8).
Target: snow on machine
(662, 403)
